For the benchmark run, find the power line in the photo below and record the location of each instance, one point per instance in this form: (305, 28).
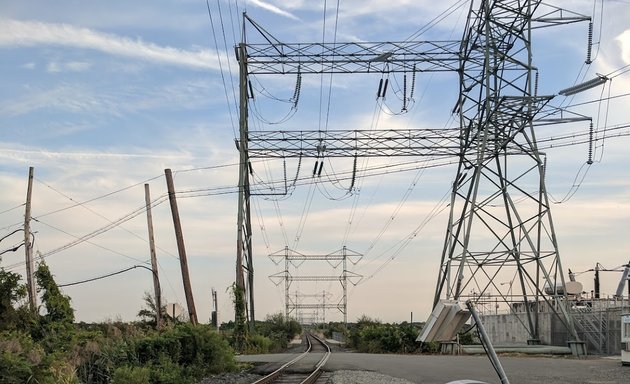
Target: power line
(104, 276)
(81, 203)
(12, 209)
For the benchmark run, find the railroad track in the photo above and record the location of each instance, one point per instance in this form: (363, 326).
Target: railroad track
(299, 370)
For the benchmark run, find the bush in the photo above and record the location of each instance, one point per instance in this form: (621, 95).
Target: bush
(259, 344)
(370, 336)
(131, 375)
(52, 349)
(278, 330)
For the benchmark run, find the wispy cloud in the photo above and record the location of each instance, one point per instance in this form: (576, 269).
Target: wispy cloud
(81, 99)
(71, 66)
(31, 33)
(272, 8)
(27, 155)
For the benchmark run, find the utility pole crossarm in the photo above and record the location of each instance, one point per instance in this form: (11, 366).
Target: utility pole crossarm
(364, 57)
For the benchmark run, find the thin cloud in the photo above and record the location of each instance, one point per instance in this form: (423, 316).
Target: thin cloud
(29, 155)
(32, 33)
(272, 8)
(72, 66)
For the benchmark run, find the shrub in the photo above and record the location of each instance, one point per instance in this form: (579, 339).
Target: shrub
(131, 375)
(369, 335)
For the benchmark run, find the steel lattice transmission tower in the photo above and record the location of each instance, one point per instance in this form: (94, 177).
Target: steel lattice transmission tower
(334, 259)
(500, 223)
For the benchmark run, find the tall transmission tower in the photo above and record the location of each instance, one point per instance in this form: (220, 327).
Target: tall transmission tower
(500, 224)
(500, 221)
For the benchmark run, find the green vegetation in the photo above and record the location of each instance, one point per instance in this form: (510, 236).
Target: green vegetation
(52, 349)
(372, 336)
(271, 335)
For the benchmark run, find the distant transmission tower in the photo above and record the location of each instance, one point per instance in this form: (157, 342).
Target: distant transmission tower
(500, 224)
(334, 259)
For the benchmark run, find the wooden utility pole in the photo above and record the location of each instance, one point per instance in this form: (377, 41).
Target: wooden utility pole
(154, 267)
(192, 313)
(28, 246)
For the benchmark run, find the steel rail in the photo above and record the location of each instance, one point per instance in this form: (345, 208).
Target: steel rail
(312, 377)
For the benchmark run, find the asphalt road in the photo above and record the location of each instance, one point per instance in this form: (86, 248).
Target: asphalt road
(443, 369)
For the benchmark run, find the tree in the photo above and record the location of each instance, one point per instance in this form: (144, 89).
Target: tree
(149, 313)
(58, 309)
(11, 294)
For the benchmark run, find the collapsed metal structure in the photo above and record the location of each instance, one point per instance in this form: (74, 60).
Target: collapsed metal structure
(500, 223)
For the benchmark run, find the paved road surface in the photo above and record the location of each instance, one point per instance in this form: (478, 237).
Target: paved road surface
(431, 369)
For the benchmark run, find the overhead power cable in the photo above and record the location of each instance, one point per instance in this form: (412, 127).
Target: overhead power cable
(103, 229)
(104, 276)
(81, 203)
(12, 209)
(220, 61)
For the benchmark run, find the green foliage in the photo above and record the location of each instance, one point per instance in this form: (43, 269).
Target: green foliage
(51, 349)
(371, 336)
(149, 313)
(131, 375)
(240, 333)
(430, 347)
(279, 330)
(196, 350)
(259, 344)
(467, 338)
(58, 309)
(14, 313)
(330, 328)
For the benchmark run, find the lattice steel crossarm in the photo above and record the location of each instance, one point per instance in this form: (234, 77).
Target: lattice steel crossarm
(361, 143)
(368, 57)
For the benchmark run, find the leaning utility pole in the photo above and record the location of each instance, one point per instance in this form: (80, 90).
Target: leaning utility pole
(28, 246)
(154, 267)
(192, 313)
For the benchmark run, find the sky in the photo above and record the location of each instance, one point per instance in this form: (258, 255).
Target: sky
(101, 97)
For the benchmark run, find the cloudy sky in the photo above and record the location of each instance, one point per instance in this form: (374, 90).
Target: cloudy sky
(101, 97)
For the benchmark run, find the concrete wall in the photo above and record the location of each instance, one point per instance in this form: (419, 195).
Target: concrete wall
(505, 329)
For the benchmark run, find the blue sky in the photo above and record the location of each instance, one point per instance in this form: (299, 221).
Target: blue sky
(101, 97)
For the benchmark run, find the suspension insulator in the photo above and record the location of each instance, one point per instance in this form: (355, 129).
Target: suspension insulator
(404, 107)
(298, 87)
(380, 88)
(251, 169)
(413, 82)
(321, 166)
(354, 174)
(536, 83)
(251, 90)
(315, 168)
(385, 88)
(589, 47)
